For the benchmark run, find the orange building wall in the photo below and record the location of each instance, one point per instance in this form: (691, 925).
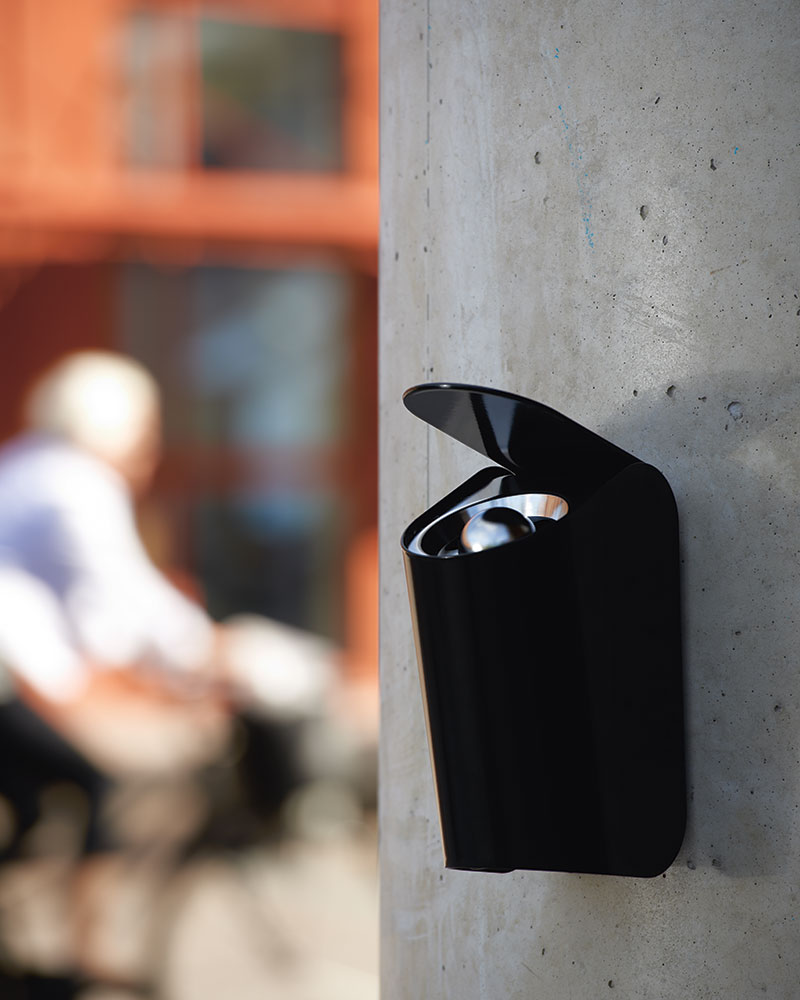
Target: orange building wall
(54, 309)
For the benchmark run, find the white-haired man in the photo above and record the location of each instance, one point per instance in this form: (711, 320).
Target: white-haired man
(78, 593)
(79, 598)
(67, 520)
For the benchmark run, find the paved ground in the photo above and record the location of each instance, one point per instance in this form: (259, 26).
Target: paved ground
(298, 925)
(294, 922)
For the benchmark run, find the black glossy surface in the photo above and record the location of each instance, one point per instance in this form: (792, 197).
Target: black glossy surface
(523, 436)
(551, 666)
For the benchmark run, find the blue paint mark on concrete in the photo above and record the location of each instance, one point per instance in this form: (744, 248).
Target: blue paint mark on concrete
(736, 150)
(576, 160)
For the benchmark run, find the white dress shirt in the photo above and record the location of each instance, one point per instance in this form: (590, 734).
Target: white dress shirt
(75, 580)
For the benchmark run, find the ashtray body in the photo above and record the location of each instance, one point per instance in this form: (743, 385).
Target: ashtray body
(550, 661)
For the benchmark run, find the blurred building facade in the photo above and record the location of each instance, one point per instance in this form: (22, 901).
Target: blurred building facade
(196, 184)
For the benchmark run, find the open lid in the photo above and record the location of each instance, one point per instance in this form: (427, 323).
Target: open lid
(527, 438)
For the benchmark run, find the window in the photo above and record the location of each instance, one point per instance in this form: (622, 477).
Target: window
(255, 366)
(271, 98)
(233, 95)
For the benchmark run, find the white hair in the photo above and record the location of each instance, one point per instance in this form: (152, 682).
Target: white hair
(97, 400)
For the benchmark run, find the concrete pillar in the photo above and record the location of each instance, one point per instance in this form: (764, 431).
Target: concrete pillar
(595, 204)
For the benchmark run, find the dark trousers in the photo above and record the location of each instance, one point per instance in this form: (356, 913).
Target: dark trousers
(33, 757)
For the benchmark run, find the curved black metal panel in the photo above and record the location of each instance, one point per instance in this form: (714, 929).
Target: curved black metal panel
(525, 437)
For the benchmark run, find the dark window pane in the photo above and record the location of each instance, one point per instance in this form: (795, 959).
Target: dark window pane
(254, 368)
(277, 555)
(268, 355)
(271, 97)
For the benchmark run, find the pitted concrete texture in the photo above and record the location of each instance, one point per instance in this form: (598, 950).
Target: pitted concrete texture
(596, 205)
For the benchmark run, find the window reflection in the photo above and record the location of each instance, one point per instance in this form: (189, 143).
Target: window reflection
(256, 366)
(268, 348)
(234, 95)
(271, 97)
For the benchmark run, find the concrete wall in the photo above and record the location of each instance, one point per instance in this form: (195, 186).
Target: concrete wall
(595, 204)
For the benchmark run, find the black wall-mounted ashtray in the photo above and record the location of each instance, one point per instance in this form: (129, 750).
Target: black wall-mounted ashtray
(545, 597)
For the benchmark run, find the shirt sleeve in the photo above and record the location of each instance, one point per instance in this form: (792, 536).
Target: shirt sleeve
(35, 642)
(121, 608)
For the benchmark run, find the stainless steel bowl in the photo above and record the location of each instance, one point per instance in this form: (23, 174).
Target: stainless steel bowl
(442, 537)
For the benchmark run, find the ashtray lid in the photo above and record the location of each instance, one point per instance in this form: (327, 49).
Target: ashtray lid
(525, 437)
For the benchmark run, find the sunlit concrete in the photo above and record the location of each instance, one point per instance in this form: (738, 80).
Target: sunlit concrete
(595, 204)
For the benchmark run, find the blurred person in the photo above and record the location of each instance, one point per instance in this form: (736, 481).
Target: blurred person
(83, 598)
(79, 597)
(82, 607)
(67, 520)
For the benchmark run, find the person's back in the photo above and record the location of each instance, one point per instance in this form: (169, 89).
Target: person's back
(41, 479)
(46, 485)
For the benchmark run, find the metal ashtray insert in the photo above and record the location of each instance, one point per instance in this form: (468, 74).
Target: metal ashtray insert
(444, 537)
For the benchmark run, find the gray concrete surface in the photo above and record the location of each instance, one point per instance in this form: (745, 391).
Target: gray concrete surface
(595, 205)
